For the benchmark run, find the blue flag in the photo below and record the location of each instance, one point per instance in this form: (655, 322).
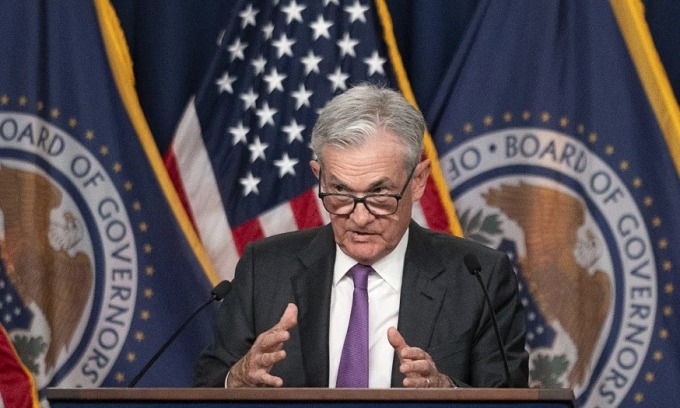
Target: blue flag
(559, 139)
(99, 262)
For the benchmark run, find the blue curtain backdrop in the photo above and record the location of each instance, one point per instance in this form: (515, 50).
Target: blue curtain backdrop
(168, 43)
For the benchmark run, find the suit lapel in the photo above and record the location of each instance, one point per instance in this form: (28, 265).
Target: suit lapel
(421, 297)
(312, 289)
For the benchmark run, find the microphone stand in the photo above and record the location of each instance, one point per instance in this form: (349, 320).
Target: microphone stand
(218, 293)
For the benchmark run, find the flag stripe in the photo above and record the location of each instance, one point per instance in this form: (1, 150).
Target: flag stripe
(197, 179)
(278, 220)
(17, 387)
(250, 231)
(431, 205)
(173, 171)
(306, 209)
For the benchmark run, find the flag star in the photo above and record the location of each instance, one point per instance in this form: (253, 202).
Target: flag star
(301, 96)
(249, 98)
(327, 2)
(257, 149)
(259, 63)
(320, 27)
(286, 165)
(294, 131)
(284, 46)
(311, 62)
(268, 30)
(239, 134)
(236, 50)
(249, 184)
(224, 83)
(338, 79)
(274, 80)
(356, 12)
(248, 16)
(347, 45)
(266, 114)
(293, 12)
(375, 64)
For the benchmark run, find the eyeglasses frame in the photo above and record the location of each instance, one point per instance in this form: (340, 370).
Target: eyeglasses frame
(365, 197)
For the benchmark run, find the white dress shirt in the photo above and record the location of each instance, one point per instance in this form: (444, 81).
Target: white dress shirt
(384, 293)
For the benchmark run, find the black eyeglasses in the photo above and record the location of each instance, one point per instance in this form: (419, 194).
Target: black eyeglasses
(376, 204)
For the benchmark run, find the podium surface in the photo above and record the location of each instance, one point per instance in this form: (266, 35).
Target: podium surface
(307, 397)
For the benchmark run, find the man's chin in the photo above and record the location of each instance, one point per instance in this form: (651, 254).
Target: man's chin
(363, 252)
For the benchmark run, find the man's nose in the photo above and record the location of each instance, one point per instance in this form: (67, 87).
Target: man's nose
(361, 215)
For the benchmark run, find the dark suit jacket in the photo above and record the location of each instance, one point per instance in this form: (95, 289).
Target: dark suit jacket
(442, 309)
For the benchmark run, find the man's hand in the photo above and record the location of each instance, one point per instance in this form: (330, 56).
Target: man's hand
(416, 364)
(253, 369)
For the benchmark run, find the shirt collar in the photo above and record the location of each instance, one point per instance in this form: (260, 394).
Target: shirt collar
(390, 267)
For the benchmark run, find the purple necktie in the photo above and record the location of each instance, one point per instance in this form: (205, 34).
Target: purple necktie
(353, 370)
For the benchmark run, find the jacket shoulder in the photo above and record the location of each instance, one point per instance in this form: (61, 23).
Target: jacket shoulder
(445, 243)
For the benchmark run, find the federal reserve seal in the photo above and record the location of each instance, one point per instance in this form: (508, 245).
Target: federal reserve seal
(580, 246)
(68, 280)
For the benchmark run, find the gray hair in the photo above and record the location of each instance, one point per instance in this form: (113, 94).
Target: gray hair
(350, 118)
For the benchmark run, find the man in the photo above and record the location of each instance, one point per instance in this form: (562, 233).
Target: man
(290, 317)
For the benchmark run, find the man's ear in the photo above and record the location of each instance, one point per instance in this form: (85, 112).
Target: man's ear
(316, 167)
(420, 179)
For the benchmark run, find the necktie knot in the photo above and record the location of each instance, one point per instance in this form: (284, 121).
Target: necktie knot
(360, 275)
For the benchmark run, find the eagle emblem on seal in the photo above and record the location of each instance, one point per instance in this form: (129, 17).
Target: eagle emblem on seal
(35, 253)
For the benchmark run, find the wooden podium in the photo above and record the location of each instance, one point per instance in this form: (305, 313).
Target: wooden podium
(307, 397)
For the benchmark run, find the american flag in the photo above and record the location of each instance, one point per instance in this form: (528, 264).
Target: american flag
(240, 156)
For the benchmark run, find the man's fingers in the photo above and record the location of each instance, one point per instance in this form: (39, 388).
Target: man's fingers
(267, 360)
(420, 367)
(253, 369)
(272, 340)
(414, 353)
(414, 362)
(403, 350)
(396, 340)
(271, 380)
(417, 382)
(288, 318)
(259, 372)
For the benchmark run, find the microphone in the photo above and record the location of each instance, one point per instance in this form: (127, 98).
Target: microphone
(218, 293)
(472, 264)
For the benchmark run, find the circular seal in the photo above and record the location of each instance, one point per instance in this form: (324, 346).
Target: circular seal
(580, 247)
(68, 254)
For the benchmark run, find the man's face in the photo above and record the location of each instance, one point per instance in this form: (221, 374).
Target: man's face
(376, 167)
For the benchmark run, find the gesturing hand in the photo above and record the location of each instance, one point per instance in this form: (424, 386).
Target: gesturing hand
(416, 364)
(253, 369)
